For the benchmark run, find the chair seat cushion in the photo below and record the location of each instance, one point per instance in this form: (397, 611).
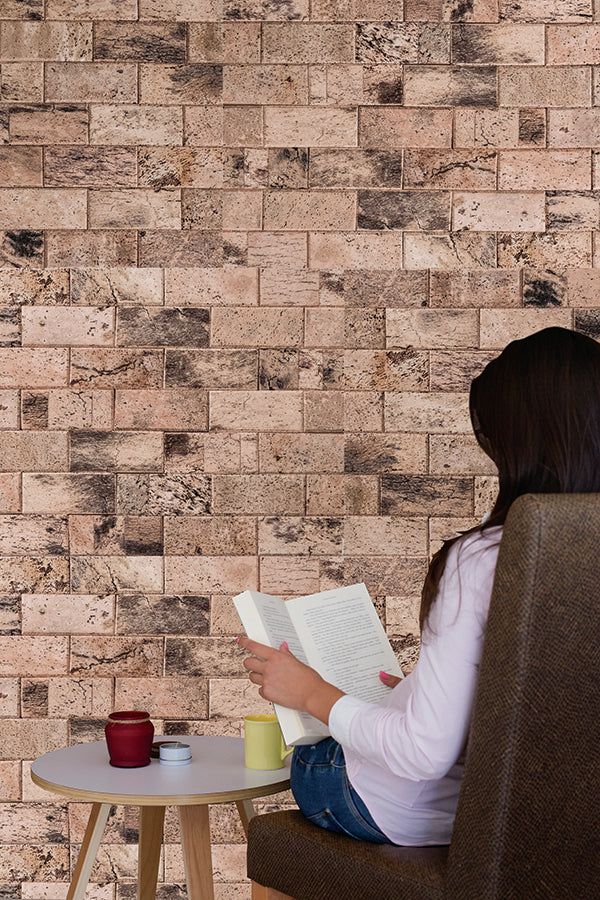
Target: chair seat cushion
(290, 854)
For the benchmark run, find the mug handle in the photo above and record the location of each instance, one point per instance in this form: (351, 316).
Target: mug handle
(285, 750)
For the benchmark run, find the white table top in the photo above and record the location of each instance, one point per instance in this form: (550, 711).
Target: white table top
(216, 774)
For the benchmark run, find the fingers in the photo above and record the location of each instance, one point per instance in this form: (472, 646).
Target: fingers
(390, 680)
(262, 650)
(254, 664)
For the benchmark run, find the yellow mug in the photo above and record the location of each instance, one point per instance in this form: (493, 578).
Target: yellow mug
(264, 747)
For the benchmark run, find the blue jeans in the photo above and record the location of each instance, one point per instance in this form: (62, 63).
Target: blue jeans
(321, 789)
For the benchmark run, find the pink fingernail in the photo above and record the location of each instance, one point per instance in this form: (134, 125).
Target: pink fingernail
(383, 674)
(286, 645)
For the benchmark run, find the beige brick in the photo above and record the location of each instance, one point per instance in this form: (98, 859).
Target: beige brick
(46, 40)
(292, 43)
(545, 250)
(303, 210)
(425, 328)
(67, 82)
(284, 85)
(135, 209)
(573, 44)
(450, 85)
(42, 208)
(257, 494)
(386, 535)
(484, 211)
(256, 410)
(10, 492)
(169, 696)
(397, 127)
(536, 169)
(33, 450)
(452, 454)
(310, 126)
(181, 10)
(196, 83)
(133, 125)
(500, 327)
(175, 409)
(573, 127)
(552, 86)
(116, 656)
(20, 166)
(80, 696)
(68, 493)
(502, 44)
(474, 288)
(249, 327)
(205, 574)
(211, 287)
(462, 250)
(67, 614)
(127, 285)
(583, 287)
(60, 326)
(355, 251)
(433, 412)
(33, 656)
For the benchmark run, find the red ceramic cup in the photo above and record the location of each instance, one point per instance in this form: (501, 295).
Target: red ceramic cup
(129, 738)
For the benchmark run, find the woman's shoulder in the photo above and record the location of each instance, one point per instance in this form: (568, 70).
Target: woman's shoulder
(476, 551)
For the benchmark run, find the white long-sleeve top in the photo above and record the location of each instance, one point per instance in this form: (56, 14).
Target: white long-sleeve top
(404, 753)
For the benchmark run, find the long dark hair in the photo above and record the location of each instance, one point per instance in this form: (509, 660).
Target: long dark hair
(535, 411)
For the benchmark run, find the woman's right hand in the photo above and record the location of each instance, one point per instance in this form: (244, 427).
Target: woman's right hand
(390, 680)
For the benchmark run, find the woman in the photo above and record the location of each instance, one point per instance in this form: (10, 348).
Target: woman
(391, 772)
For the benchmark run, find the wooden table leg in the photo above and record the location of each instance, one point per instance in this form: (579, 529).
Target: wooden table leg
(151, 833)
(89, 848)
(197, 857)
(246, 811)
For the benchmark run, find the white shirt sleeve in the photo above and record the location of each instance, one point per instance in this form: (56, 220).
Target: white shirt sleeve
(425, 737)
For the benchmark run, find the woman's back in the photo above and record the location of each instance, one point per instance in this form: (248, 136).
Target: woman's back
(408, 767)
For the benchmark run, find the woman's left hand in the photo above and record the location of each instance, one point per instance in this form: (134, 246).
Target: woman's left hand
(282, 677)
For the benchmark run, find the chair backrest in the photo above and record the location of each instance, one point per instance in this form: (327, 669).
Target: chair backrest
(528, 819)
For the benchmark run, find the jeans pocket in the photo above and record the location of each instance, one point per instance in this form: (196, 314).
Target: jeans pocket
(326, 819)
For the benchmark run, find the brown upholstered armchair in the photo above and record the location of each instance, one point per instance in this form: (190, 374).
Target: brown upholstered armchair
(528, 820)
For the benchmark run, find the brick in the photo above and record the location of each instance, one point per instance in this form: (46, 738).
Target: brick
(74, 614)
(211, 287)
(49, 123)
(42, 208)
(573, 127)
(210, 536)
(310, 126)
(536, 169)
(433, 412)
(116, 656)
(355, 251)
(32, 450)
(21, 536)
(454, 169)
(22, 81)
(571, 210)
(582, 287)
(171, 696)
(284, 251)
(102, 574)
(193, 83)
(258, 494)
(302, 210)
(545, 250)
(91, 9)
(131, 451)
(16, 9)
(552, 86)
(106, 368)
(147, 327)
(267, 410)
(104, 287)
(425, 328)
(450, 86)
(402, 42)
(90, 82)
(456, 252)
(9, 409)
(426, 495)
(573, 44)
(90, 166)
(504, 44)
(264, 9)
(133, 125)
(458, 455)
(172, 614)
(254, 84)
(175, 248)
(166, 410)
(135, 209)
(68, 493)
(185, 166)
(546, 10)
(474, 288)
(80, 696)
(10, 493)
(35, 656)
(440, 10)
(155, 494)
(497, 329)
(198, 574)
(147, 42)
(354, 168)
(56, 326)
(115, 535)
(299, 43)
(91, 248)
(269, 327)
(20, 166)
(487, 211)
(211, 369)
(397, 127)
(181, 10)
(231, 42)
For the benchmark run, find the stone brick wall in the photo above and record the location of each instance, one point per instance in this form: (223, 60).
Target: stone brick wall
(251, 255)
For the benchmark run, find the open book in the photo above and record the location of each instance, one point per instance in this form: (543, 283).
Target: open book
(337, 632)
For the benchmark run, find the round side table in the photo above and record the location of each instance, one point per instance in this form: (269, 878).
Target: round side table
(217, 774)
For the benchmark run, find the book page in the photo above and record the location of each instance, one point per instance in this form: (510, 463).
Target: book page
(345, 641)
